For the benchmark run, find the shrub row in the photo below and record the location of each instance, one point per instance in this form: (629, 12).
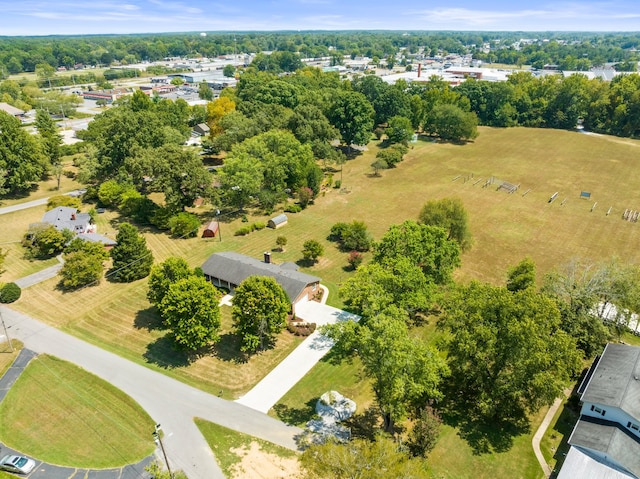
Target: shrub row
(245, 230)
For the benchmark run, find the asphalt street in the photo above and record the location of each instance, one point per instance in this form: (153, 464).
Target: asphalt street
(169, 402)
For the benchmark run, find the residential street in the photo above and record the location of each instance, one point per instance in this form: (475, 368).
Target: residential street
(168, 401)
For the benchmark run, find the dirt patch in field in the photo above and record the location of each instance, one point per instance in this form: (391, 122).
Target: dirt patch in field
(256, 463)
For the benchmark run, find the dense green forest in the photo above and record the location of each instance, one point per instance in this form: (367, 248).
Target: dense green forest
(570, 51)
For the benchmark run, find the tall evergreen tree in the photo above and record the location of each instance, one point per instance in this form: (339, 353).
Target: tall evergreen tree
(132, 260)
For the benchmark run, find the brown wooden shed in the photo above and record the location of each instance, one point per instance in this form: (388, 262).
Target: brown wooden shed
(211, 230)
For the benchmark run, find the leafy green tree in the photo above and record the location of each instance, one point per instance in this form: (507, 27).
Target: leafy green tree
(83, 265)
(426, 246)
(356, 237)
(22, 162)
(62, 200)
(352, 236)
(577, 288)
(403, 369)
(522, 276)
(111, 192)
(132, 260)
(259, 312)
(281, 242)
(377, 286)
(507, 351)
(352, 114)
(45, 240)
(309, 124)
(122, 132)
(10, 293)
(425, 432)
(184, 225)
(450, 214)
(379, 164)
(163, 275)
(204, 91)
(399, 130)
(451, 123)
(362, 459)
(157, 472)
(312, 250)
(392, 155)
(190, 309)
(48, 132)
(229, 71)
(176, 172)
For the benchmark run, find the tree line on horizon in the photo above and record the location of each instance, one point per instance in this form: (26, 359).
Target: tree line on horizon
(568, 50)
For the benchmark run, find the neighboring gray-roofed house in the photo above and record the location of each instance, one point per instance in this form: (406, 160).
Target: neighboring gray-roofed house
(11, 110)
(98, 238)
(578, 464)
(608, 431)
(202, 129)
(65, 217)
(278, 221)
(229, 269)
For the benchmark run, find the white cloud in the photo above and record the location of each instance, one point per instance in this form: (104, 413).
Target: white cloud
(569, 15)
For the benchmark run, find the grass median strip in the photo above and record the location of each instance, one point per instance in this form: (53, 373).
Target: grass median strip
(59, 413)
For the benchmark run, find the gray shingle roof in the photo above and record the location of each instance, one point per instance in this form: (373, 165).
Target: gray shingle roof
(11, 110)
(65, 217)
(616, 379)
(97, 238)
(610, 439)
(234, 268)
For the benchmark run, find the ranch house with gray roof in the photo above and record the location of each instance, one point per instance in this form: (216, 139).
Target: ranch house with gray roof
(229, 269)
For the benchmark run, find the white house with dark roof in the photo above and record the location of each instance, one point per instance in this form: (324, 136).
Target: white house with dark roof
(68, 218)
(229, 269)
(605, 443)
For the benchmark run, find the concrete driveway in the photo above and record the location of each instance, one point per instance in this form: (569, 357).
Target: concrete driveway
(295, 366)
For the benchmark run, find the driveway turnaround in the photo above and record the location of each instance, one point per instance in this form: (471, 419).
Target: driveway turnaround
(293, 368)
(169, 402)
(50, 471)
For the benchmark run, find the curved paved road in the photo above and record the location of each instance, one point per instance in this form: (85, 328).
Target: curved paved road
(169, 402)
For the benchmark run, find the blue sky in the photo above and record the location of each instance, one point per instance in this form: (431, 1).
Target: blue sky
(38, 17)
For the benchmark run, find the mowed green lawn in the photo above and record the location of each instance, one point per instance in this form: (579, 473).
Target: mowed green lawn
(506, 228)
(59, 413)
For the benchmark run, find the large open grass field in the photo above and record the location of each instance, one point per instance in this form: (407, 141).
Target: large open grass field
(506, 228)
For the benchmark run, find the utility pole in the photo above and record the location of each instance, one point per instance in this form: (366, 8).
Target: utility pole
(6, 333)
(158, 438)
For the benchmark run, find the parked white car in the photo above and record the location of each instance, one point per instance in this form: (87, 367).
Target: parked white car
(19, 464)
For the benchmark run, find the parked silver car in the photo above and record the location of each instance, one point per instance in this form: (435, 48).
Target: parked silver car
(19, 464)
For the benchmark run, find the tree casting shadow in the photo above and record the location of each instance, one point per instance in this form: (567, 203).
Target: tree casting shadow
(162, 352)
(296, 416)
(484, 436)
(148, 319)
